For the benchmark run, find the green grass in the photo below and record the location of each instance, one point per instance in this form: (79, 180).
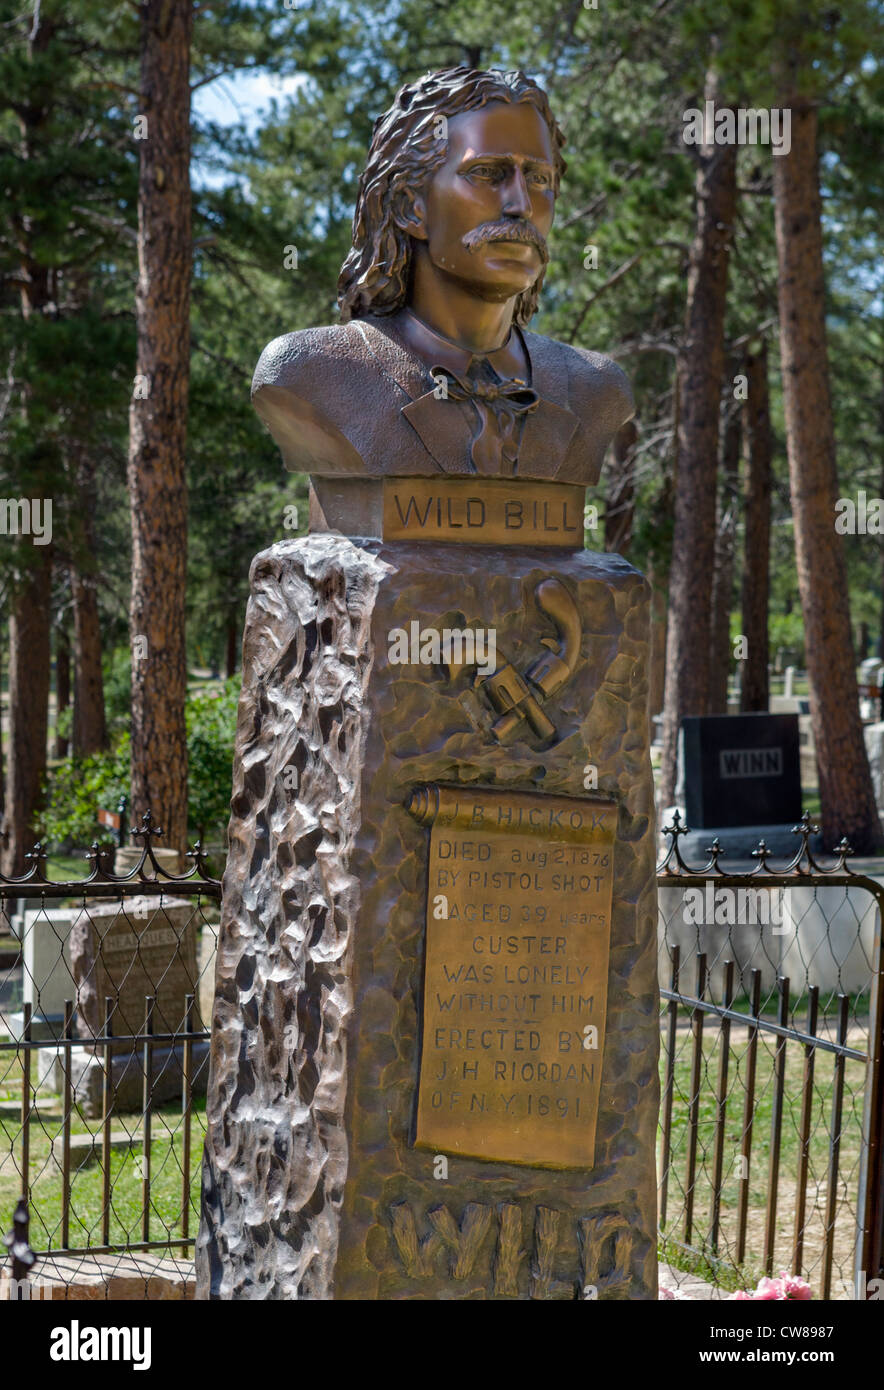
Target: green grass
(721, 1266)
(86, 1207)
(66, 866)
(721, 1275)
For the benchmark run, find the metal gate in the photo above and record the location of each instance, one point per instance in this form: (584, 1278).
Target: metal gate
(772, 1077)
(772, 986)
(104, 1065)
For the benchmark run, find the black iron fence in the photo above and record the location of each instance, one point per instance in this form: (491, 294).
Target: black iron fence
(772, 992)
(772, 987)
(105, 1002)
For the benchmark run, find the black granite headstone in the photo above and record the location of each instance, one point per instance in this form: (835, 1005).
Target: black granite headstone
(741, 769)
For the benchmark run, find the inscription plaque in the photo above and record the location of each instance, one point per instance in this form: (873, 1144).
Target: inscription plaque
(484, 511)
(515, 974)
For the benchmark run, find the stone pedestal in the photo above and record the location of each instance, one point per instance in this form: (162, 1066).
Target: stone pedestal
(128, 857)
(127, 1076)
(313, 1185)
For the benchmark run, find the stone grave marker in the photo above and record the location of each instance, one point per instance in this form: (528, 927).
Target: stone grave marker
(146, 946)
(741, 770)
(47, 975)
(435, 1031)
(874, 740)
(871, 689)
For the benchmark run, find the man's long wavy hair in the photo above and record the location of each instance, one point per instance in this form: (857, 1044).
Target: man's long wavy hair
(405, 150)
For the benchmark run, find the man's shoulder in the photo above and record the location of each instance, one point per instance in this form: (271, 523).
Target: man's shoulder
(598, 388)
(290, 359)
(330, 403)
(593, 373)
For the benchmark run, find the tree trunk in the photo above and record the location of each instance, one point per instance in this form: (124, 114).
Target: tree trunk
(30, 600)
(89, 725)
(723, 578)
(620, 503)
(29, 667)
(89, 728)
(862, 641)
(2, 763)
(62, 685)
(158, 423)
(881, 540)
(700, 373)
(755, 687)
(657, 673)
(846, 794)
(657, 576)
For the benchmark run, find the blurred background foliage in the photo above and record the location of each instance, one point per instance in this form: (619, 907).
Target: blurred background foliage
(284, 103)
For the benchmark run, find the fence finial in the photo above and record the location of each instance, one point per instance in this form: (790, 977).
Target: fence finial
(714, 850)
(147, 827)
(674, 830)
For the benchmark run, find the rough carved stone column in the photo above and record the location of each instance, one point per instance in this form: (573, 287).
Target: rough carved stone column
(312, 1186)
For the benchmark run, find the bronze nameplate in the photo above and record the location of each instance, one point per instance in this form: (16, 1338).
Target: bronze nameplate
(516, 974)
(484, 511)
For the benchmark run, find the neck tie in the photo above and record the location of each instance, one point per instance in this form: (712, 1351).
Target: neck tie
(498, 406)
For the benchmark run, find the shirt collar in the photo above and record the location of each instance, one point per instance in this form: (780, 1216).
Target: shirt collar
(509, 360)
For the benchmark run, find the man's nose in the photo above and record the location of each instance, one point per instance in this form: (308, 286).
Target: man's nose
(517, 201)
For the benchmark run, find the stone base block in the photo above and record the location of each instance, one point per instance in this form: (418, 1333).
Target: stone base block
(88, 1149)
(43, 1026)
(127, 1077)
(750, 947)
(813, 936)
(139, 1277)
(313, 1187)
(829, 939)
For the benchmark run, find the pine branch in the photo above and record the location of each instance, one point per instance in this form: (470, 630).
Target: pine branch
(111, 224)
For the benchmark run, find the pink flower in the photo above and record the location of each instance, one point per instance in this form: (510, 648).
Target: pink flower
(665, 1295)
(785, 1286)
(768, 1289)
(794, 1286)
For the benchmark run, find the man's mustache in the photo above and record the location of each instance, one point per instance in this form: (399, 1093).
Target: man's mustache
(506, 230)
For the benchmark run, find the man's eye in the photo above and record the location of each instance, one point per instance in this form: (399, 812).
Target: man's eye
(542, 180)
(485, 171)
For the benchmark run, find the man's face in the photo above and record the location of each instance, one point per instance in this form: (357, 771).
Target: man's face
(499, 170)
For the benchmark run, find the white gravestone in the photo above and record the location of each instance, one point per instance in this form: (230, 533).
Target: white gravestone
(47, 975)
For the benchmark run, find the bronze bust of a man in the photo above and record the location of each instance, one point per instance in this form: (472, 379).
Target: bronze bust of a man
(432, 369)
